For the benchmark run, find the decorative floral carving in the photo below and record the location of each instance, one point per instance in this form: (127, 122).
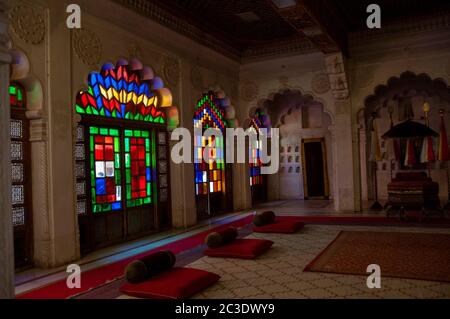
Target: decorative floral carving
(87, 46)
(171, 71)
(336, 73)
(28, 24)
(249, 91)
(320, 83)
(196, 78)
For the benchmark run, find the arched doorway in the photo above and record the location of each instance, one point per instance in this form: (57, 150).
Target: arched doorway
(400, 99)
(122, 156)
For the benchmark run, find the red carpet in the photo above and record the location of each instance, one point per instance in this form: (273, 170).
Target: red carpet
(400, 255)
(99, 276)
(368, 220)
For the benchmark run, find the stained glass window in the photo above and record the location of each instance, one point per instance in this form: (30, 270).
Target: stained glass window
(256, 124)
(209, 176)
(105, 169)
(119, 93)
(138, 167)
(16, 96)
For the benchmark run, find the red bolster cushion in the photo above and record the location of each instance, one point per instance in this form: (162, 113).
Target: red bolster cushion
(241, 248)
(280, 227)
(176, 283)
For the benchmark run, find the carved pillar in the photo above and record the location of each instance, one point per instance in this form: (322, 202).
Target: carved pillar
(41, 232)
(343, 138)
(242, 198)
(6, 229)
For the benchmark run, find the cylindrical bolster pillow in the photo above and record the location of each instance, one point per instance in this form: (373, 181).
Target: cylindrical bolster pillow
(264, 218)
(222, 237)
(141, 269)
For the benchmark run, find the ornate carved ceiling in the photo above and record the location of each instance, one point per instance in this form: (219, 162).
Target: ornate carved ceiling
(247, 29)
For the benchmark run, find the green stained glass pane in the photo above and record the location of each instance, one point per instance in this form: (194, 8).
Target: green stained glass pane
(131, 203)
(145, 134)
(147, 145)
(94, 110)
(117, 160)
(149, 189)
(129, 133)
(139, 202)
(104, 131)
(89, 110)
(96, 208)
(92, 144)
(93, 194)
(128, 192)
(19, 95)
(147, 159)
(128, 177)
(127, 160)
(147, 200)
(137, 133)
(116, 145)
(106, 207)
(127, 144)
(102, 112)
(93, 130)
(114, 132)
(117, 177)
(12, 90)
(79, 109)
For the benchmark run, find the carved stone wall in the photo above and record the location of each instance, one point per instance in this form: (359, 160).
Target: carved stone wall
(6, 230)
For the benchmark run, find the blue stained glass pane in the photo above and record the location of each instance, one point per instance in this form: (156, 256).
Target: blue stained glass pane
(148, 174)
(130, 87)
(92, 78)
(99, 102)
(100, 79)
(100, 186)
(96, 90)
(107, 113)
(108, 82)
(116, 206)
(114, 84)
(141, 89)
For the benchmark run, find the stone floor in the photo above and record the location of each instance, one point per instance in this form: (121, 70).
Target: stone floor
(279, 272)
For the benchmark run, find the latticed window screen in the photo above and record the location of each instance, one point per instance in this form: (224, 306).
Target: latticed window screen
(80, 171)
(163, 167)
(18, 155)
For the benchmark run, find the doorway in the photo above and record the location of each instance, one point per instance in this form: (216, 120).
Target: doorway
(315, 173)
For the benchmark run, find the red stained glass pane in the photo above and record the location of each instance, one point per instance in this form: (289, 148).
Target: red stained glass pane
(135, 183)
(143, 194)
(135, 195)
(110, 186)
(99, 139)
(109, 140)
(99, 152)
(134, 168)
(142, 182)
(109, 152)
(141, 153)
(141, 141)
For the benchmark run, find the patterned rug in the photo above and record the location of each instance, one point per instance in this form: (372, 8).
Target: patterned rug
(401, 255)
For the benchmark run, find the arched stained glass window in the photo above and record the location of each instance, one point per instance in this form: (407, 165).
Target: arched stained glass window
(209, 176)
(118, 93)
(256, 123)
(121, 155)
